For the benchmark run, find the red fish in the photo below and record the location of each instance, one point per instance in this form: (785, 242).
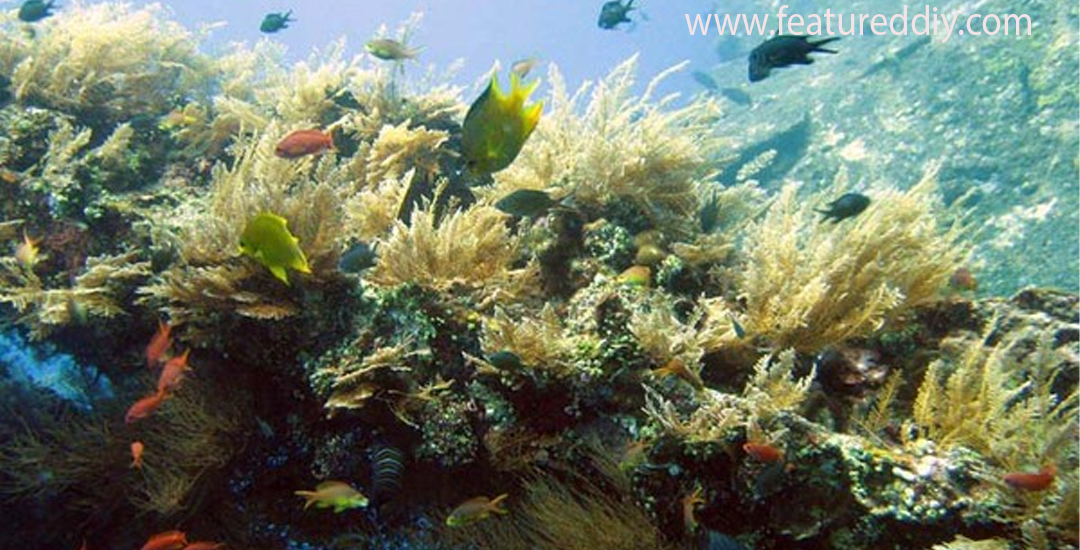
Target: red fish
(144, 407)
(136, 454)
(168, 540)
(203, 545)
(158, 344)
(303, 142)
(173, 372)
(1028, 481)
(763, 452)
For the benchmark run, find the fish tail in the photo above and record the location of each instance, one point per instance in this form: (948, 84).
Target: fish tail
(818, 45)
(495, 502)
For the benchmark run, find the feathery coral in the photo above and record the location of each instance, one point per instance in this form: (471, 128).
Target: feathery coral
(810, 284)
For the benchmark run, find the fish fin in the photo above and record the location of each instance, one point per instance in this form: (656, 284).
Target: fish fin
(279, 272)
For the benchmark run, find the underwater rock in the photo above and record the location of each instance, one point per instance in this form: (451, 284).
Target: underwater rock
(58, 373)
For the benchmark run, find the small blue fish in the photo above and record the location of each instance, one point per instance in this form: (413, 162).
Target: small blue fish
(613, 13)
(35, 10)
(274, 22)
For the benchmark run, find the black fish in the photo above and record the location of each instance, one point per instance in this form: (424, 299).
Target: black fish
(35, 10)
(614, 12)
(526, 203)
(505, 360)
(848, 205)
(5, 93)
(357, 258)
(737, 96)
(274, 22)
(784, 51)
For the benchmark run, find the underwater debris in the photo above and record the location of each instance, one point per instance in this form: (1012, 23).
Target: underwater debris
(784, 51)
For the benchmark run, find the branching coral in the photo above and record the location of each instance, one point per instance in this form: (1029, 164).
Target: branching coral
(810, 284)
(540, 341)
(97, 292)
(771, 391)
(1000, 402)
(636, 149)
(468, 247)
(79, 61)
(551, 515)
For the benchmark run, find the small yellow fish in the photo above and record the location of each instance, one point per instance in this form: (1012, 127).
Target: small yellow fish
(498, 124)
(27, 252)
(389, 49)
(267, 239)
(334, 494)
(475, 509)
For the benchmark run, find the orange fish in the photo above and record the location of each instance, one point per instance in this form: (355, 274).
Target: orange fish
(173, 373)
(84, 546)
(167, 540)
(689, 503)
(763, 452)
(136, 454)
(144, 407)
(678, 369)
(1028, 481)
(303, 142)
(158, 344)
(203, 545)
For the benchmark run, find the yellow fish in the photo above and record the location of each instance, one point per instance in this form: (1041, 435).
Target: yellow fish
(498, 124)
(267, 239)
(475, 509)
(334, 494)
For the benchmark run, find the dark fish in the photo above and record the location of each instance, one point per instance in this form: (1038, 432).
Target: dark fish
(848, 205)
(357, 258)
(709, 215)
(35, 10)
(737, 96)
(526, 203)
(5, 93)
(705, 79)
(614, 12)
(505, 360)
(784, 51)
(274, 22)
(387, 467)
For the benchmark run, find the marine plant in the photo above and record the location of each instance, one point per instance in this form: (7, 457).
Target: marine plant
(470, 247)
(604, 145)
(104, 62)
(98, 291)
(1004, 402)
(809, 284)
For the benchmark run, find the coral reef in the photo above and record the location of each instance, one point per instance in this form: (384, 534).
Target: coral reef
(675, 351)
